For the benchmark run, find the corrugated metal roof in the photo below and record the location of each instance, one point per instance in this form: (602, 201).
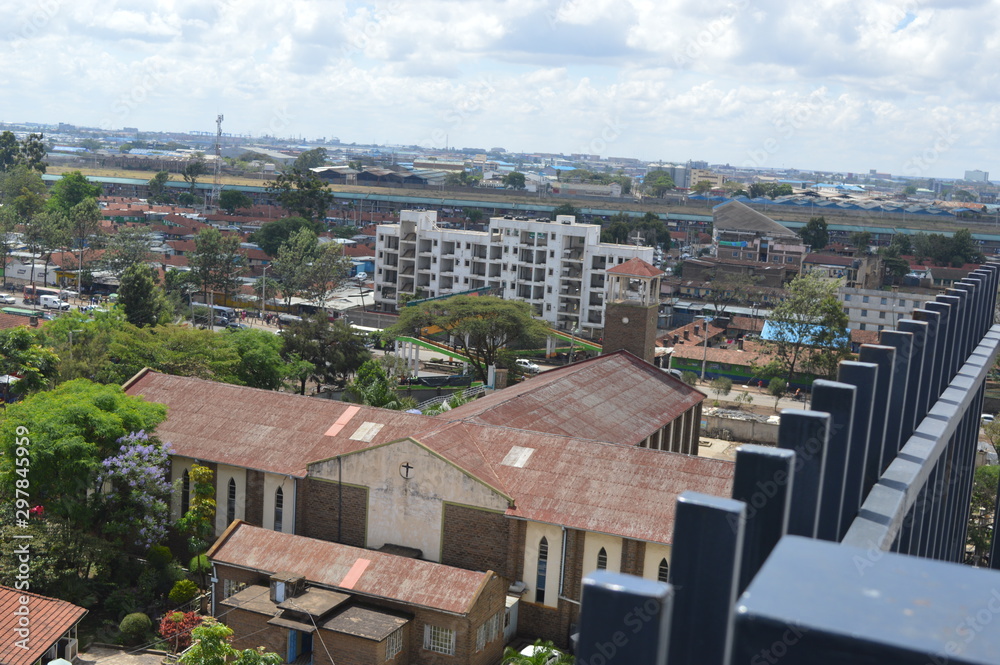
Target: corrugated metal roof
(262, 429)
(49, 620)
(587, 485)
(410, 581)
(617, 398)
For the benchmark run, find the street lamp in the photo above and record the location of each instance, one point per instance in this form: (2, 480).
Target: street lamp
(704, 335)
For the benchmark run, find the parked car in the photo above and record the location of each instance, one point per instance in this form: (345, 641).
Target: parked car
(236, 325)
(526, 366)
(7, 299)
(986, 419)
(52, 302)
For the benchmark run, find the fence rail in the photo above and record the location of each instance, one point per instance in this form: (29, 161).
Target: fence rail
(844, 543)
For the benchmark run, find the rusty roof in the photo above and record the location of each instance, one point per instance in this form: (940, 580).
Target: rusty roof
(263, 429)
(587, 485)
(351, 569)
(617, 398)
(635, 267)
(49, 620)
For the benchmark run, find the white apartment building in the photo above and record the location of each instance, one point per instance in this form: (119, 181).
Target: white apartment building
(558, 267)
(872, 309)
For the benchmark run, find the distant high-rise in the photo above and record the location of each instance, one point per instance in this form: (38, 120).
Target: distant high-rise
(977, 176)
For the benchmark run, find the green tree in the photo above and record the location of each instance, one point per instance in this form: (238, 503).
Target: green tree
(984, 496)
(29, 152)
(84, 222)
(567, 209)
(963, 195)
(232, 200)
(8, 150)
(22, 354)
(729, 289)
(302, 193)
(332, 349)
(721, 386)
(910, 190)
(310, 159)
(211, 646)
(44, 233)
(290, 270)
(260, 362)
(545, 653)
(198, 523)
(657, 183)
(72, 428)
(273, 235)
(18, 181)
(809, 329)
(216, 262)
(374, 387)
(481, 326)
(158, 190)
(193, 170)
(129, 246)
(777, 388)
(815, 233)
(702, 187)
(70, 190)
(143, 300)
(514, 180)
(862, 240)
(473, 215)
(463, 179)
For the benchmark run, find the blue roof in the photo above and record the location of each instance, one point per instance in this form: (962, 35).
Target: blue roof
(771, 332)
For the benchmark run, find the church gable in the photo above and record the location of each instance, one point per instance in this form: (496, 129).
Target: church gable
(408, 486)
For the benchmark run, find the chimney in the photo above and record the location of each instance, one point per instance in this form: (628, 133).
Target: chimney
(687, 334)
(696, 328)
(676, 339)
(739, 344)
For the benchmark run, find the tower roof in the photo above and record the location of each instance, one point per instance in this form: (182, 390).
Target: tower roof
(635, 268)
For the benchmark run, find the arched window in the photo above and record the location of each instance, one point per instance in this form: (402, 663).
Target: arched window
(543, 562)
(663, 572)
(279, 501)
(602, 559)
(185, 492)
(231, 502)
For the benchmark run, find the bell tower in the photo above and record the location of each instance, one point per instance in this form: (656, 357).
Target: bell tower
(631, 308)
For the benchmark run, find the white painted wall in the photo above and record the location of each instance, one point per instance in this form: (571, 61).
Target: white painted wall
(272, 482)
(592, 544)
(651, 562)
(533, 536)
(405, 511)
(222, 476)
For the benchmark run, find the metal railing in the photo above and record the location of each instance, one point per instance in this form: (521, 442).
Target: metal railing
(841, 545)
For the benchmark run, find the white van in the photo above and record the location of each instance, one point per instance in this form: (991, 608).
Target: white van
(52, 302)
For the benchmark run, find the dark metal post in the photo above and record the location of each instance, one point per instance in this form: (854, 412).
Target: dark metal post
(764, 482)
(837, 399)
(708, 548)
(885, 358)
(863, 376)
(624, 620)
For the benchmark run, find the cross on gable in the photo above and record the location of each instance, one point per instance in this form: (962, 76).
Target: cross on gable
(404, 469)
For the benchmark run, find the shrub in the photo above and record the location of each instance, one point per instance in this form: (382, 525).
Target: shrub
(175, 628)
(159, 556)
(134, 627)
(183, 591)
(199, 564)
(689, 377)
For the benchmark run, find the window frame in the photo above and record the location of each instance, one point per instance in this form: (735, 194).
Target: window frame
(394, 644)
(279, 509)
(439, 640)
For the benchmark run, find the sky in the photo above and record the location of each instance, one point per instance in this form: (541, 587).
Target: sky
(908, 87)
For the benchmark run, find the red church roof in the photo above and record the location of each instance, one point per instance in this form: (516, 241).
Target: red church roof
(635, 268)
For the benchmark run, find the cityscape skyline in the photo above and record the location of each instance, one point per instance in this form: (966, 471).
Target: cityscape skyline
(902, 87)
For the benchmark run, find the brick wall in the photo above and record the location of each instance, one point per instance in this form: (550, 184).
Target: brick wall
(476, 540)
(638, 336)
(346, 650)
(254, 510)
(319, 507)
(633, 556)
(259, 633)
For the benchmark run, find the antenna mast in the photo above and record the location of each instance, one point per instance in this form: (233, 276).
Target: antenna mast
(217, 184)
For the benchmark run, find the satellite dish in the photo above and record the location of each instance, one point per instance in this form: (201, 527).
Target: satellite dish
(361, 276)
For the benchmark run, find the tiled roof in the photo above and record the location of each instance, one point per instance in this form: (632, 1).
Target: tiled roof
(828, 259)
(13, 320)
(635, 267)
(49, 620)
(591, 399)
(351, 569)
